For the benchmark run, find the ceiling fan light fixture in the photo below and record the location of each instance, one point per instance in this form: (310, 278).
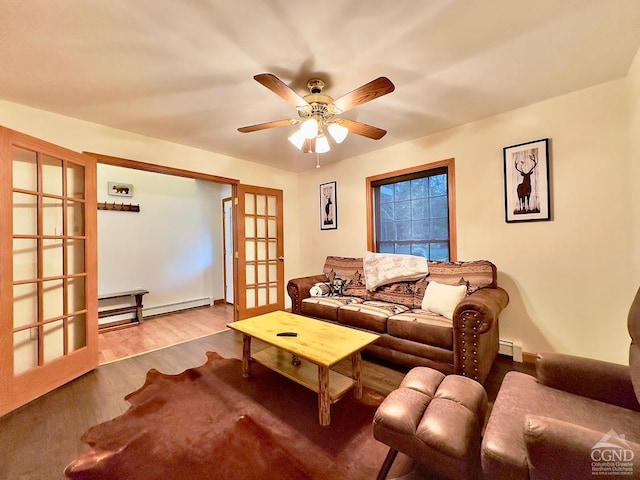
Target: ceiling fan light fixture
(322, 144)
(309, 128)
(338, 132)
(298, 138)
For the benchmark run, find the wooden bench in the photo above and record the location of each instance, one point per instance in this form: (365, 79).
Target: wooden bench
(137, 308)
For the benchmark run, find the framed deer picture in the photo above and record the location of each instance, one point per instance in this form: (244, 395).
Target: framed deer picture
(526, 181)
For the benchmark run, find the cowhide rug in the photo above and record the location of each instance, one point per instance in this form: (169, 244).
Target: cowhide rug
(211, 423)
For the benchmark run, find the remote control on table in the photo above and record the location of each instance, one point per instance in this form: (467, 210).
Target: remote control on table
(286, 334)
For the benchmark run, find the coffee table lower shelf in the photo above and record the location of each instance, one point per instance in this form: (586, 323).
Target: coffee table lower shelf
(306, 374)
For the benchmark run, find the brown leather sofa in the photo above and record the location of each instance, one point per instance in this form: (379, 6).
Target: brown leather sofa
(466, 345)
(578, 418)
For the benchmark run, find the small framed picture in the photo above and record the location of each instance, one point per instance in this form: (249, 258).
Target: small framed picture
(118, 189)
(526, 181)
(328, 206)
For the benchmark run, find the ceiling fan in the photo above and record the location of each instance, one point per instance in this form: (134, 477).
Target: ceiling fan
(318, 111)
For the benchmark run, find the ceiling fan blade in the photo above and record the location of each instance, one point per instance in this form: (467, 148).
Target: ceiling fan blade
(278, 87)
(363, 129)
(370, 91)
(309, 145)
(264, 126)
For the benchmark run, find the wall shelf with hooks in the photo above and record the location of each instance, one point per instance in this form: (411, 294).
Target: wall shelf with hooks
(118, 207)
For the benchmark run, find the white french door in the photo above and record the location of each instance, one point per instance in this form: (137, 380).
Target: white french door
(48, 277)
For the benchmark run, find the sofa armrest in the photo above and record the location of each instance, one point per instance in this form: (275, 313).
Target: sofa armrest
(604, 381)
(475, 332)
(557, 449)
(298, 289)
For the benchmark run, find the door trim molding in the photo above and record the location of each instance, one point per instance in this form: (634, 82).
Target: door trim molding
(155, 168)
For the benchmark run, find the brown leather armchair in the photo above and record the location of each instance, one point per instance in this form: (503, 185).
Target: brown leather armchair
(577, 419)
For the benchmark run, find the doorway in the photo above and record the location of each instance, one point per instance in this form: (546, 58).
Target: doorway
(228, 228)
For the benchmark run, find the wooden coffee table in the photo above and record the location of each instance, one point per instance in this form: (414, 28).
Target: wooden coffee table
(307, 357)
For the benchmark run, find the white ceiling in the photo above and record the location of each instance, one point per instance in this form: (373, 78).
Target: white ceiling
(182, 70)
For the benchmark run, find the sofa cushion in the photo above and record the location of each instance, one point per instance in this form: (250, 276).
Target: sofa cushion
(422, 326)
(349, 269)
(401, 293)
(326, 307)
(397, 350)
(371, 315)
(475, 275)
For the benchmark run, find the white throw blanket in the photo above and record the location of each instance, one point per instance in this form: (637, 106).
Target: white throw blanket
(384, 268)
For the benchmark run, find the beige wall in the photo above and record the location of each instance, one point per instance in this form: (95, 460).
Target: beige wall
(570, 280)
(85, 136)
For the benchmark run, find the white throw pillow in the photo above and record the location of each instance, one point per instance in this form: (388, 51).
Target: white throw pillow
(443, 299)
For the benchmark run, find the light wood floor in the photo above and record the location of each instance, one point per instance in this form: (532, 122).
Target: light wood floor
(162, 331)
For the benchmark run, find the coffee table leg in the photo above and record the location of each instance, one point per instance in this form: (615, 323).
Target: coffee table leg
(356, 373)
(324, 402)
(246, 356)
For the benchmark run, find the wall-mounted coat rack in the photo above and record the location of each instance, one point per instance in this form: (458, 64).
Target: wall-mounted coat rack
(118, 207)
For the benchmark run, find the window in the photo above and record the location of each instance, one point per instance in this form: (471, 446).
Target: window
(412, 212)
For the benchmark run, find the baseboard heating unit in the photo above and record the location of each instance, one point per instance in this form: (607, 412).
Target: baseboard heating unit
(508, 348)
(177, 306)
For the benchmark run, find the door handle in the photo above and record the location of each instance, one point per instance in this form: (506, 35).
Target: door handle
(281, 259)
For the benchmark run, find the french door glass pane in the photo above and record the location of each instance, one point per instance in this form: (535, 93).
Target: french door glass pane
(51, 175)
(52, 299)
(262, 250)
(52, 258)
(51, 216)
(25, 214)
(25, 350)
(53, 340)
(250, 250)
(251, 275)
(249, 204)
(262, 227)
(273, 271)
(262, 273)
(25, 169)
(77, 332)
(249, 227)
(75, 180)
(271, 205)
(261, 205)
(76, 298)
(75, 218)
(25, 304)
(75, 256)
(273, 294)
(25, 259)
(251, 297)
(263, 298)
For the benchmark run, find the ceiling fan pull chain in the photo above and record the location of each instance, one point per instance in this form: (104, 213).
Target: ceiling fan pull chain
(317, 160)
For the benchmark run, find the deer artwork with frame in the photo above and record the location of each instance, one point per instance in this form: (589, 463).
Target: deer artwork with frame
(526, 181)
